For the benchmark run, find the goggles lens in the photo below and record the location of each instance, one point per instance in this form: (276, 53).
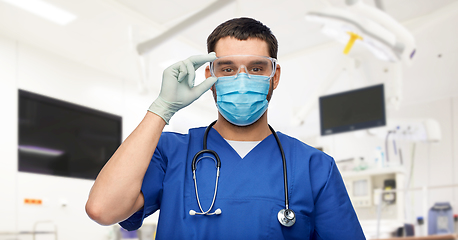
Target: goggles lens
(250, 64)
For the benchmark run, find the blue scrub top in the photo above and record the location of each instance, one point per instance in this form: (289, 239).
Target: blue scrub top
(250, 191)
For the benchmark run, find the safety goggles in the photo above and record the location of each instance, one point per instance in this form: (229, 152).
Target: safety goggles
(251, 64)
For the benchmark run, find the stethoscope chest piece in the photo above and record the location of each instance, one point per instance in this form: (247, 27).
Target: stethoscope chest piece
(286, 217)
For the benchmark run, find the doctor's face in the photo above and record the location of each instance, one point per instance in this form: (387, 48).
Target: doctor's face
(253, 46)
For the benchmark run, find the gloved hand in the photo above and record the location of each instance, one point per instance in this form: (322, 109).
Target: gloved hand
(178, 90)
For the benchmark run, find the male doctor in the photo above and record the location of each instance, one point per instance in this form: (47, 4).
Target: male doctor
(152, 170)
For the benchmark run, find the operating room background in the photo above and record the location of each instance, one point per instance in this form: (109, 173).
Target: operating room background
(91, 62)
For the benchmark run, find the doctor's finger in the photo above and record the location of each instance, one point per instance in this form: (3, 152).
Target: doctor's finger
(191, 72)
(182, 72)
(199, 60)
(204, 86)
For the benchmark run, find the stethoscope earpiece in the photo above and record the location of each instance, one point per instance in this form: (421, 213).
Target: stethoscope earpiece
(216, 212)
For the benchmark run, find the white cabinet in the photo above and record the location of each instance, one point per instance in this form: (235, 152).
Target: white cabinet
(364, 188)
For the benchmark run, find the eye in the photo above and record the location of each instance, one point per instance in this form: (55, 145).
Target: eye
(256, 69)
(226, 71)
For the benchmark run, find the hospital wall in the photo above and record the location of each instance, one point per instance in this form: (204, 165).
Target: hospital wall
(32, 69)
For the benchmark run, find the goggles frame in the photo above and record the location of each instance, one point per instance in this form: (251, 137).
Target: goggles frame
(272, 60)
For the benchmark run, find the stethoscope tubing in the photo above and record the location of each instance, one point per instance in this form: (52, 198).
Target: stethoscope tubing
(195, 160)
(285, 174)
(217, 160)
(197, 192)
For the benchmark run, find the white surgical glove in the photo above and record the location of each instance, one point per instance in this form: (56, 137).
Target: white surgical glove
(178, 90)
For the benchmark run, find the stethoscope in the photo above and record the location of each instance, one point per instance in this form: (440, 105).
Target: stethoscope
(286, 216)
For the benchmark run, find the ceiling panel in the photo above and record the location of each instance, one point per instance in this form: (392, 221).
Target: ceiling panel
(100, 36)
(409, 9)
(164, 12)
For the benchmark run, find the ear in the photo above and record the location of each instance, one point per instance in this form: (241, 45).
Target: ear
(208, 74)
(276, 77)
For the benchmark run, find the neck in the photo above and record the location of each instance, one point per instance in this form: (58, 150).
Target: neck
(254, 132)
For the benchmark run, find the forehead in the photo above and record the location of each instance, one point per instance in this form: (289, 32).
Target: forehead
(232, 46)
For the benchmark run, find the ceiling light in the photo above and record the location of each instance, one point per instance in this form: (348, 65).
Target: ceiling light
(44, 10)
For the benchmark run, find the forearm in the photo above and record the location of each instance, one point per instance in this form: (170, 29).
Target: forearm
(115, 194)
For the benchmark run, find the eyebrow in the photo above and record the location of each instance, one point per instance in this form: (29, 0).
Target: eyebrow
(225, 62)
(259, 62)
(229, 62)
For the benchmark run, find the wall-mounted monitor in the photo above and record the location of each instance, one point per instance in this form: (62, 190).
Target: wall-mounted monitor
(352, 110)
(64, 139)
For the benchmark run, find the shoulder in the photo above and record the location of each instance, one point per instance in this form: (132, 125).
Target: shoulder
(311, 166)
(173, 144)
(303, 149)
(307, 160)
(177, 138)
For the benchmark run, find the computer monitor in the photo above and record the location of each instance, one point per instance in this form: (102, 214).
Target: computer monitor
(64, 139)
(352, 110)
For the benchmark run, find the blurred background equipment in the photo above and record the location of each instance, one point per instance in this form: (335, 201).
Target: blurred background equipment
(440, 219)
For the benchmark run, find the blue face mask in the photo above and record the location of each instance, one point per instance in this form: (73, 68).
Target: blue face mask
(241, 99)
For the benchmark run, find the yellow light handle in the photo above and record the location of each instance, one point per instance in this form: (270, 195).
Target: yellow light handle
(353, 37)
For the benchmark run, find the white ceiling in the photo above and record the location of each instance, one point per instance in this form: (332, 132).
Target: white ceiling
(99, 37)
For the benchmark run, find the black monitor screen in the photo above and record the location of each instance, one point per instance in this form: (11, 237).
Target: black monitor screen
(63, 139)
(352, 110)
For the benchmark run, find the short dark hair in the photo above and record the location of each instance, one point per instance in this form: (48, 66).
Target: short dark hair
(243, 29)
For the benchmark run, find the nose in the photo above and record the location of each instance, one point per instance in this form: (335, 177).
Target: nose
(242, 69)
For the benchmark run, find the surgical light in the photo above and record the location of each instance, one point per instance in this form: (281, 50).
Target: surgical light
(45, 10)
(382, 35)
